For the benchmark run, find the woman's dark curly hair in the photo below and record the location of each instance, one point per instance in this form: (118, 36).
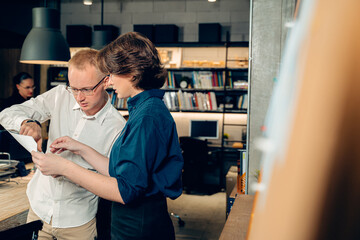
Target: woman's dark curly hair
(135, 55)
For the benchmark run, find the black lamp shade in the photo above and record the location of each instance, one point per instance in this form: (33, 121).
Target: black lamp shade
(45, 43)
(101, 38)
(103, 35)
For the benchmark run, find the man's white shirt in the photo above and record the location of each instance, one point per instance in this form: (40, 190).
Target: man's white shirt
(66, 203)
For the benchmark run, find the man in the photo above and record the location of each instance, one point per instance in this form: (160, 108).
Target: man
(83, 111)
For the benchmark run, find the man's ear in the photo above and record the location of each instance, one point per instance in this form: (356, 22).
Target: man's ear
(107, 82)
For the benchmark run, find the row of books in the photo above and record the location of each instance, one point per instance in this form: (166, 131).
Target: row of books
(207, 79)
(200, 79)
(190, 101)
(243, 102)
(202, 101)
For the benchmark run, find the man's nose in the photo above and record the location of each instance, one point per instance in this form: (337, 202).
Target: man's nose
(80, 96)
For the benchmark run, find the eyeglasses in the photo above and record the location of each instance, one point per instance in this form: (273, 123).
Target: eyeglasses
(28, 88)
(85, 91)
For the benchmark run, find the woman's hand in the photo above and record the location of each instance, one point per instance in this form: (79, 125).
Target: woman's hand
(66, 143)
(50, 164)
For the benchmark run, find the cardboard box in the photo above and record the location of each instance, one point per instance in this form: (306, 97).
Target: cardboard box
(147, 29)
(231, 187)
(231, 179)
(166, 33)
(78, 35)
(209, 32)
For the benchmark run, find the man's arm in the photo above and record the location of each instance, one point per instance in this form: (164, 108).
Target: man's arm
(16, 116)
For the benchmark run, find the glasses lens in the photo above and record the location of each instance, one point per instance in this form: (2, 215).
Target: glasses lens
(87, 92)
(70, 90)
(28, 88)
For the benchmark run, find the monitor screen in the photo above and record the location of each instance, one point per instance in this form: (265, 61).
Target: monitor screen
(204, 129)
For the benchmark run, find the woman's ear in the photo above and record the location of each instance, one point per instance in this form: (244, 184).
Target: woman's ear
(18, 87)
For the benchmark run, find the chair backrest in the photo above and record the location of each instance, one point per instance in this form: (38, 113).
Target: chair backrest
(195, 154)
(194, 150)
(23, 232)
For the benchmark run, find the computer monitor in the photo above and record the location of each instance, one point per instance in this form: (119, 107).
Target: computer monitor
(204, 129)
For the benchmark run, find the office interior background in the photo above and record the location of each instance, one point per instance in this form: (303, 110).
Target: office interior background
(230, 17)
(304, 179)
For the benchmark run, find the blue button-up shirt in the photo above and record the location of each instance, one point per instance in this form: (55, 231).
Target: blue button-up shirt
(146, 158)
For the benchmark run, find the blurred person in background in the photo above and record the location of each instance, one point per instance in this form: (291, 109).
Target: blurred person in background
(23, 89)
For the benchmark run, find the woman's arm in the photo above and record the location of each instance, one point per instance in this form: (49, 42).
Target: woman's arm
(94, 158)
(103, 186)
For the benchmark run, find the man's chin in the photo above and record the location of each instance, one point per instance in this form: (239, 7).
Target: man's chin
(84, 107)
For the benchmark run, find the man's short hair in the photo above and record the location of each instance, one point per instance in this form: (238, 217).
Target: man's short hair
(84, 57)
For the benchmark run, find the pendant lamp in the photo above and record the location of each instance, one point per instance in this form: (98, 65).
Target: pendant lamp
(45, 44)
(103, 34)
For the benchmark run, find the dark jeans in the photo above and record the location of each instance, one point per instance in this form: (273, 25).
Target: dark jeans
(146, 219)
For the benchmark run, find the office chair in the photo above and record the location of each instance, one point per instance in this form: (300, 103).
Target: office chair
(28, 231)
(196, 156)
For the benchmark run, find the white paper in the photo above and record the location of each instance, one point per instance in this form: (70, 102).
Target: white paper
(27, 142)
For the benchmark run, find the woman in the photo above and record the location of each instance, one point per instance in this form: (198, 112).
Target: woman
(23, 89)
(145, 162)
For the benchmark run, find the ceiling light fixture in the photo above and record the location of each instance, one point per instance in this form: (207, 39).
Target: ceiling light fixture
(45, 44)
(102, 35)
(88, 2)
(211, 0)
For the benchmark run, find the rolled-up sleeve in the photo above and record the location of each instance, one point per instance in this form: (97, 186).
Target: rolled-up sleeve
(38, 108)
(145, 161)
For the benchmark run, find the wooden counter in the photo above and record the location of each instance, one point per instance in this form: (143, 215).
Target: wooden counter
(237, 223)
(14, 203)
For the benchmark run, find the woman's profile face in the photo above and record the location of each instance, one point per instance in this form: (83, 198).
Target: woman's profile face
(123, 85)
(26, 88)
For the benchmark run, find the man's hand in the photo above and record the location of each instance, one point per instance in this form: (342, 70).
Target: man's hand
(50, 164)
(34, 130)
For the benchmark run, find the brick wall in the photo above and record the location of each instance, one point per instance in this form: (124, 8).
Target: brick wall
(233, 15)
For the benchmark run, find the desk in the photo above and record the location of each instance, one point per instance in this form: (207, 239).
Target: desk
(14, 203)
(237, 224)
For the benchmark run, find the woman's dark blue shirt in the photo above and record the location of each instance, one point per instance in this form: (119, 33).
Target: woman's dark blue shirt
(146, 158)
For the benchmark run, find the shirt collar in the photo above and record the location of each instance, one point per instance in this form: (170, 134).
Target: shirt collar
(99, 116)
(133, 102)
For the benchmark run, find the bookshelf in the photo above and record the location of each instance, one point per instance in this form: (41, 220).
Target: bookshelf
(206, 77)
(203, 77)
(206, 89)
